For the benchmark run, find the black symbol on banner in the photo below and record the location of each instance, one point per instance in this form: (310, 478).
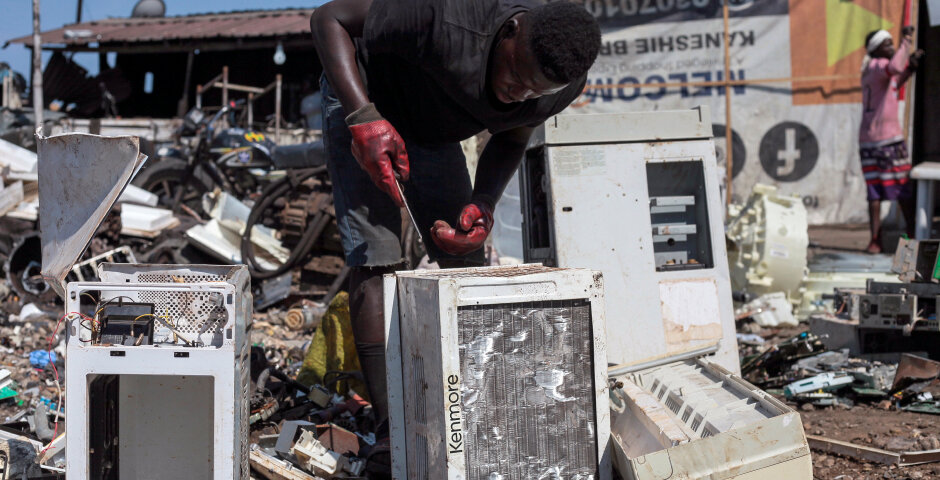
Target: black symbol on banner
(738, 5)
(737, 148)
(788, 152)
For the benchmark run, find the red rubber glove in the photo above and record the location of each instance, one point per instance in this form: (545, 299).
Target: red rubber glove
(380, 150)
(475, 222)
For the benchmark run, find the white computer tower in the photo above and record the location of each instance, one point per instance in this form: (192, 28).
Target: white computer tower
(163, 394)
(497, 373)
(636, 196)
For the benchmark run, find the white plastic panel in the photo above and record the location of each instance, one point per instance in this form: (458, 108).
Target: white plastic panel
(165, 407)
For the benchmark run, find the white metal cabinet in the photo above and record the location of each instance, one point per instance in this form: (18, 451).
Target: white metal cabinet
(636, 196)
(165, 410)
(497, 372)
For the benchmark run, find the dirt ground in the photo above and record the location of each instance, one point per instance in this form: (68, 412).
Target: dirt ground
(847, 237)
(871, 426)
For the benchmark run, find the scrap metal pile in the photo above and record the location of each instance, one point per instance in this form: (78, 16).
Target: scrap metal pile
(304, 425)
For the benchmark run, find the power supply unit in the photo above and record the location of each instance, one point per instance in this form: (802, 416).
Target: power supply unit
(636, 196)
(157, 373)
(497, 373)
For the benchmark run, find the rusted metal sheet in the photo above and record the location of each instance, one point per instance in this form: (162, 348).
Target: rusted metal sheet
(338, 439)
(258, 23)
(80, 178)
(914, 369)
(915, 458)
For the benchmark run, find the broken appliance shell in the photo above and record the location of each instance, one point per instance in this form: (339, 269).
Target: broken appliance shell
(695, 419)
(176, 411)
(497, 372)
(768, 240)
(636, 196)
(80, 178)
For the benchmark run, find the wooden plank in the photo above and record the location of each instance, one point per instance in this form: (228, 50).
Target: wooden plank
(10, 197)
(723, 83)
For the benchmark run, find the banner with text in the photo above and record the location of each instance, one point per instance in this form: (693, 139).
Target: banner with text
(801, 136)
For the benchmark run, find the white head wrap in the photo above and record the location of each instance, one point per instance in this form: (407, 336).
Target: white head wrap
(877, 39)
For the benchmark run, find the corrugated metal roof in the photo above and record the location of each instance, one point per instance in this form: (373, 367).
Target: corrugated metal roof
(245, 24)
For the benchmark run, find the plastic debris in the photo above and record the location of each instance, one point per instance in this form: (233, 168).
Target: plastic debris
(40, 358)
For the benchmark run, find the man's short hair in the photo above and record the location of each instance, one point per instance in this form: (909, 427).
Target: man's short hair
(565, 39)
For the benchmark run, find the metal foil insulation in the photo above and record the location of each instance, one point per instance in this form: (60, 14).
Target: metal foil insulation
(527, 391)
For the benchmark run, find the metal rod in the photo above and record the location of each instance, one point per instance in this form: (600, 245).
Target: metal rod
(78, 12)
(618, 370)
(729, 146)
(225, 85)
(238, 88)
(853, 450)
(38, 104)
(277, 110)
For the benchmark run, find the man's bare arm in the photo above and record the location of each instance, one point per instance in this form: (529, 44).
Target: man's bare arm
(498, 162)
(334, 25)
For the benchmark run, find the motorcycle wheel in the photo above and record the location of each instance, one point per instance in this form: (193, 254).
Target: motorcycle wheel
(165, 177)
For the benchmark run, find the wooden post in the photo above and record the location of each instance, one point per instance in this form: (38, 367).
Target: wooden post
(909, 99)
(37, 67)
(277, 110)
(224, 86)
(183, 105)
(729, 145)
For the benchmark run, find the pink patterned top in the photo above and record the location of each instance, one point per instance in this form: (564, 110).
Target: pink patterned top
(880, 83)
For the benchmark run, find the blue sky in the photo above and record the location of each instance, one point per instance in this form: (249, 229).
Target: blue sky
(16, 19)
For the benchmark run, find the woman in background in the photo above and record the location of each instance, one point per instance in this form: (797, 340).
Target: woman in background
(882, 147)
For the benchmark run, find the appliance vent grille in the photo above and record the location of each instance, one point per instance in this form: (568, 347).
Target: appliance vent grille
(527, 390)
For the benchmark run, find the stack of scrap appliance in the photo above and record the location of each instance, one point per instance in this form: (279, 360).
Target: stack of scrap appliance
(500, 372)
(636, 196)
(489, 369)
(887, 318)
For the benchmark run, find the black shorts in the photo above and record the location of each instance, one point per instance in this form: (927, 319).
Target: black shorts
(369, 222)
